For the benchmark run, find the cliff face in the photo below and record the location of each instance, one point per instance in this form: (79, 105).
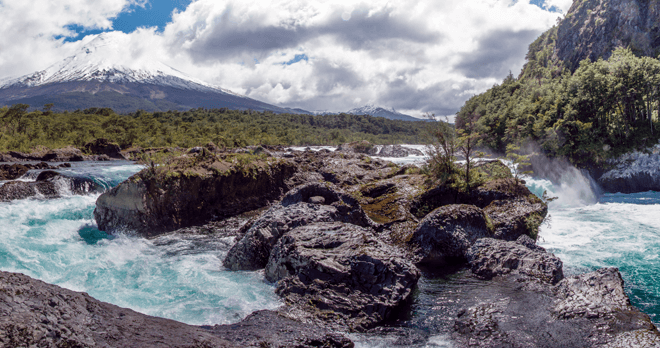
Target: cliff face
(594, 29)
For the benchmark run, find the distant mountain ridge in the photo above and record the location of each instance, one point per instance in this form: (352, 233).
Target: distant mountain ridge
(373, 110)
(97, 76)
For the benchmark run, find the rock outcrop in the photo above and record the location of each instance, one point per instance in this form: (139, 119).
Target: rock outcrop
(193, 192)
(15, 171)
(33, 313)
(588, 310)
(65, 154)
(633, 172)
(315, 202)
(448, 232)
(594, 28)
(370, 149)
(49, 184)
(490, 257)
(274, 330)
(103, 146)
(342, 272)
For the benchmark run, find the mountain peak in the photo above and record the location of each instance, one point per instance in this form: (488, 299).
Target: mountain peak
(104, 59)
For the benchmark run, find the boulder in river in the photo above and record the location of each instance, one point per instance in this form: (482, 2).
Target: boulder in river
(448, 232)
(102, 146)
(341, 274)
(36, 314)
(587, 310)
(296, 209)
(49, 184)
(490, 257)
(192, 191)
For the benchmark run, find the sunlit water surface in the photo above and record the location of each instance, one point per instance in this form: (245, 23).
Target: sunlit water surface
(57, 241)
(180, 278)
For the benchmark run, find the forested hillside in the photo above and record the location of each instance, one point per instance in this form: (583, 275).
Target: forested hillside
(22, 130)
(592, 104)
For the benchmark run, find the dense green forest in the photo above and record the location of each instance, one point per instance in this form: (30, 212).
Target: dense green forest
(22, 130)
(602, 109)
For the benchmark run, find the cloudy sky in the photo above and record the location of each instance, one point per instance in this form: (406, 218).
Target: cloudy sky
(415, 56)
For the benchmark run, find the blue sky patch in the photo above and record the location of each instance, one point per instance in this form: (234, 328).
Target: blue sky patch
(543, 5)
(156, 13)
(297, 58)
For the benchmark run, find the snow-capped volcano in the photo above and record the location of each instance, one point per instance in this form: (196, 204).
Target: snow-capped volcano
(104, 74)
(102, 60)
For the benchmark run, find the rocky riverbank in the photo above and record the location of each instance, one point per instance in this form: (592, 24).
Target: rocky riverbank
(348, 240)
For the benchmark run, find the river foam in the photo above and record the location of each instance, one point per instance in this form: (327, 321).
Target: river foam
(57, 241)
(588, 230)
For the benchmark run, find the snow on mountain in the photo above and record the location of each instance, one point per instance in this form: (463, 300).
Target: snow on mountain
(104, 60)
(373, 110)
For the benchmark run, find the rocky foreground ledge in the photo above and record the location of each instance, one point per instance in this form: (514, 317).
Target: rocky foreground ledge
(347, 239)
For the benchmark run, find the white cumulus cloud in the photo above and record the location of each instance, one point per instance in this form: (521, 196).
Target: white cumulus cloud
(419, 56)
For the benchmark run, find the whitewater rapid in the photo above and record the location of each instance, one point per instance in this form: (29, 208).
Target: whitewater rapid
(588, 230)
(181, 277)
(175, 277)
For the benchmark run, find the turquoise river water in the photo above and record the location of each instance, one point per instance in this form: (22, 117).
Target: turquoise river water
(182, 278)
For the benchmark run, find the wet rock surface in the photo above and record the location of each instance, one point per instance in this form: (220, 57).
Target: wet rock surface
(17, 170)
(253, 250)
(490, 257)
(193, 194)
(342, 271)
(447, 233)
(272, 329)
(34, 313)
(104, 147)
(49, 184)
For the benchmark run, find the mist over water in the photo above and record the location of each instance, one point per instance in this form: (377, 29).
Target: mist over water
(181, 276)
(176, 277)
(588, 230)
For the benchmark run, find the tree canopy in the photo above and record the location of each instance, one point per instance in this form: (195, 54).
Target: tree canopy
(603, 109)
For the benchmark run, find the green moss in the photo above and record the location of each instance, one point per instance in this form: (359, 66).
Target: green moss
(533, 222)
(384, 209)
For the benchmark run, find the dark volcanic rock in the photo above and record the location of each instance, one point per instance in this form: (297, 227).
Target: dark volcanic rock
(370, 149)
(397, 151)
(514, 218)
(65, 154)
(15, 171)
(33, 313)
(103, 146)
(448, 232)
(271, 329)
(509, 311)
(12, 171)
(49, 184)
(341, 274)
(253, 250)
(598, 294)
(191, 195)
(490, 257)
